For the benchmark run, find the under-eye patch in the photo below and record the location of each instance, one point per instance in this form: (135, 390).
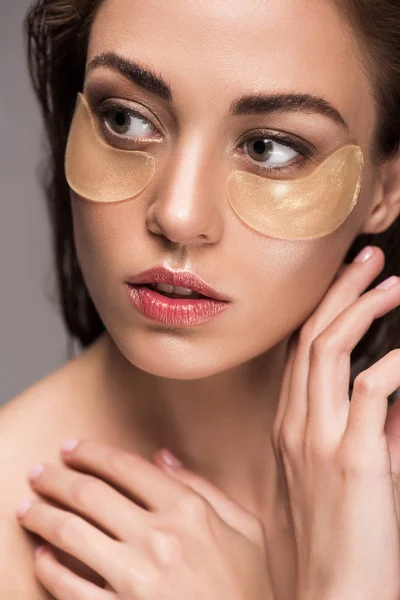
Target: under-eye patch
(98, 171)
(300, 209)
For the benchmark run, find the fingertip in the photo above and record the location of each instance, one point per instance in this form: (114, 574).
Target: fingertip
(68, 445)
(170, 459)
(157, 459)
(43, 550)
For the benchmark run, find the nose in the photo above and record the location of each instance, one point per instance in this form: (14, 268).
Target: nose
(187, 204)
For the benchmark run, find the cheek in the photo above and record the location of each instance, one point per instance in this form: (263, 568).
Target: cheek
(288, 279)
(90, 236)
(104, 236)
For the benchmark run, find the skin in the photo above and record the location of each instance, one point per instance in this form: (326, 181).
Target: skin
(143, 386)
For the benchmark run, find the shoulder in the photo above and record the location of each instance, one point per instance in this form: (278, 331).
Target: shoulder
(32, 427)
(21, 446)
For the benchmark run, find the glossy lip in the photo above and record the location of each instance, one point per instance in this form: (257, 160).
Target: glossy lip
(173, 312)
(178, 279)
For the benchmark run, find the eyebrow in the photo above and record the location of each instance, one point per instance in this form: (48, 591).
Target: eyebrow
(249, 104)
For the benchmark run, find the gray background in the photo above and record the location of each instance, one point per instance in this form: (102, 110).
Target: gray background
(32, 336)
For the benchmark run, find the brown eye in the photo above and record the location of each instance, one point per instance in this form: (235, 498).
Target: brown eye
(127, 123)
(270, 151)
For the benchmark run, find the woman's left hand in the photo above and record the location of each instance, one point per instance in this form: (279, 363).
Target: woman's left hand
(170, 537)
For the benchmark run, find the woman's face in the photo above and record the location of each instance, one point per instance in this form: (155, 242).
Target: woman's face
(209, 54)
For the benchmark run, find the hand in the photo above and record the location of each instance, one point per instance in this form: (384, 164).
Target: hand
(176, 545)
(338, 460)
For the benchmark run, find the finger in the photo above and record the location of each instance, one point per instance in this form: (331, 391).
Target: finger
(134, 475)
(330, 365)
(227, 509)
(341, 269)
(281, 489)
(284, 392)
(62, 583)
(392, 430)
(343, 293)
(92, 498)
(75, 536)
(352, 282)
(368, 408)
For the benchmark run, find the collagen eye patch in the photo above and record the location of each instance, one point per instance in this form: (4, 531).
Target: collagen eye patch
(98, 171)
(300, 209)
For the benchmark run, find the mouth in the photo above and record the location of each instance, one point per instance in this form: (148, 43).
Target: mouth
(171, 307)
(170, 291)
(180, 285)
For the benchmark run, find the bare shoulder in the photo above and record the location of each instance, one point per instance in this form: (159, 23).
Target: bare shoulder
(32, 427)
(24, 440)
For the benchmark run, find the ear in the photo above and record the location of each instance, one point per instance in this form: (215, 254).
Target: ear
(386, 205)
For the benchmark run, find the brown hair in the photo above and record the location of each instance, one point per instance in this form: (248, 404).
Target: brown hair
(56, 35)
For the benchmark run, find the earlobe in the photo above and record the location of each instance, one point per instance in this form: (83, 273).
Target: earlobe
(386, 206)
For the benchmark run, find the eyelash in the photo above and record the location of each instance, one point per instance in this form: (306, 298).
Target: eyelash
(302, 148)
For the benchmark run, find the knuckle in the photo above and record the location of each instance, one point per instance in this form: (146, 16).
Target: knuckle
(140, 583)
(351, 461)
(355, 461)
(65, 529)
(192, 505)
(119, 462)
(84, 490)
(365, 383)
(166, 547)
(315, 449)
(323, 344)
(288, 440)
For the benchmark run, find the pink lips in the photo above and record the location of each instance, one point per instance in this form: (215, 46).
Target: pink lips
(177, 279)
(173, 311)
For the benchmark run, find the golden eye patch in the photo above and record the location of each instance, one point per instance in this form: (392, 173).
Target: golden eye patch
(299, 209)
(98, 171)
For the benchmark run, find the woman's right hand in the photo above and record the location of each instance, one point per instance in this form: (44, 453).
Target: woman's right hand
(337, 460)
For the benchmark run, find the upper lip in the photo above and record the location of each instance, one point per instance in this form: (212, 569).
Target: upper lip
(178, 279)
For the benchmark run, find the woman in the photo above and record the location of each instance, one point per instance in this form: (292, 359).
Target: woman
(177, 123)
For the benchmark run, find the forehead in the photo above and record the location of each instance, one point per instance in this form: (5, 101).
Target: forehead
(211, 51)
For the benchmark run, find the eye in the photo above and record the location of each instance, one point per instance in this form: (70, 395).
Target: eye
(267, 150)
(127, 122)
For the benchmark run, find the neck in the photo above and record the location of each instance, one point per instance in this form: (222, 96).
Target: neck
(219, 426)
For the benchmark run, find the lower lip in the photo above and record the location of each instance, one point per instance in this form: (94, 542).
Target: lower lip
(171, 311)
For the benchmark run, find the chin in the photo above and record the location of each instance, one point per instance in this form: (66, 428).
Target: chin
(166, 355)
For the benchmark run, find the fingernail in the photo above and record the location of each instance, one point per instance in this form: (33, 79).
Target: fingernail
(364, 255)
(388, 283)
(23, 508)
(68, 445)
(40, 549)
(35, 472)
(170, 459)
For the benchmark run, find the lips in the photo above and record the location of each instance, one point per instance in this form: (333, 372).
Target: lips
(177, 279)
